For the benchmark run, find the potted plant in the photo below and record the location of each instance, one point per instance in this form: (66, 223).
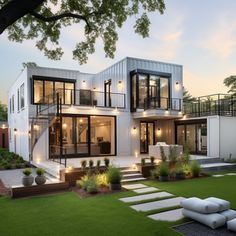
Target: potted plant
(40, 179)
(98, 163)
(152, 159)
(114, 177)
(106, 162)
(90, 164)
(28, 179)
(163, 172)
(83, 164)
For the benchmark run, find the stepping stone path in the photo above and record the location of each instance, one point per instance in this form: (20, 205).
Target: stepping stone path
(146, 190)
(172, 215)
(146, 197)
(157, 205)
(141, 189)
(221, 175)
(217, 176)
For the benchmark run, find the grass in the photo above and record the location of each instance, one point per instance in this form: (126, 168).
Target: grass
(67, 214)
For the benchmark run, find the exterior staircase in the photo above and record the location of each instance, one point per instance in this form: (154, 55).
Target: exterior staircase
(131, 175)
(210, 164)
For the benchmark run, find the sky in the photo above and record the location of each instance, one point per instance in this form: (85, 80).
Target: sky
(200, 35)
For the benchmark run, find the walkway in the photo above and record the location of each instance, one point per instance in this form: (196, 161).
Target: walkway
(156, 204)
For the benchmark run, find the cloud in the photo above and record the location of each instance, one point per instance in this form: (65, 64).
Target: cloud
(220, 41)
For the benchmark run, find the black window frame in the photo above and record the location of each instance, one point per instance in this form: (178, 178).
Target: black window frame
(22, 96)
(51, 79)
(147, 73)
(18, 100)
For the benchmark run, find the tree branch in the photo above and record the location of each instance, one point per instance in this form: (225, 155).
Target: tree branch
(16, 9)
(61, 16)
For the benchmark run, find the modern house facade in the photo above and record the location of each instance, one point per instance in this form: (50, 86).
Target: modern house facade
(119, 111)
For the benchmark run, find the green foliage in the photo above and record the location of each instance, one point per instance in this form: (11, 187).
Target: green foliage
(195, 168)
(3, 112)
(163, 169)
(143, 161)
(114, 175)
(173, 156)
(106, 162)
(101, 20)
(163, 155)
(83, 182)
(187, 169)
(155, 173)
(230, 82)
(98, 163)
(83, 164)
(27, 171)
(40, 171)
(152, 158)
(102, 180)
(187, 97)
(90, 163)
(92, 186)
(186, 153)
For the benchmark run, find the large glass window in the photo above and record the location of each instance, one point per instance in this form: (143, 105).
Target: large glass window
(142, 90)
(44, 90)
(164, 92)
(22, 96)
(82, 127)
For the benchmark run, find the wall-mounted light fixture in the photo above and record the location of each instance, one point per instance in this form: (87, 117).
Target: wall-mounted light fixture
(15, 131)
(120, 84)
(3, 126)
(177, 85)
(94, 88)
(159, 131)
(84, 81)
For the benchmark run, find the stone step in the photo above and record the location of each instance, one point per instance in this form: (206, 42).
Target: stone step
(146, 190)
(206, 160)
(131, 176)
(129, 171)
(146, 197)
(134, 186)
(218, 166)
(170, 216)
(156, 205)
(132, 180)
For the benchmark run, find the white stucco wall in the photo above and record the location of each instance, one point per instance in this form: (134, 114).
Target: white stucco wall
(213, 136)
(227, 137)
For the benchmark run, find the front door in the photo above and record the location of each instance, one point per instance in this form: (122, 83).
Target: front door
(147, 135)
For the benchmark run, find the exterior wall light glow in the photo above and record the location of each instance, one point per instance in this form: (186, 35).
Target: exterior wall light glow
(4, 126)
(120, 84)
(158, 131)
(136, 154)
(15, 131)
(177, 85)
(64, 126)
(134, 130)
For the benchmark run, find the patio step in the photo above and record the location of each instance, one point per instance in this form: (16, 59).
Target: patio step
(218, 166)
(132, 180)
(129, 171)
(131, 176)
(205, 159)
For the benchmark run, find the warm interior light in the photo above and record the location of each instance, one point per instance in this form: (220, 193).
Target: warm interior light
(158, 131)
(64, 126)
(134, 167)
(4, 126)
(136, 154)
(81, 120)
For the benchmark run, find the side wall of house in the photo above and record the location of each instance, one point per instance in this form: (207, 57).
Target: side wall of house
(213, 136)
(227, 137)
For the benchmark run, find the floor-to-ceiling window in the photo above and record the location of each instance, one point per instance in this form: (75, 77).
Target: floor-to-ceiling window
(147, 135)
(193, 134)
(83, 136)
(44, 89)
(149, 90)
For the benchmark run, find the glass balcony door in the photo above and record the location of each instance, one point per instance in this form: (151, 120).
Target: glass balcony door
(147, 136)
(107, 89)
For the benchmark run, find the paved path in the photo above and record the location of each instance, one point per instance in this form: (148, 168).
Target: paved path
(172, 215)
(134, 186)
(221, 175)
(146, 190)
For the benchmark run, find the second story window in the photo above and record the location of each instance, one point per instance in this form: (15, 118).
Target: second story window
(18, 100)
(22, 96)
(13, 103)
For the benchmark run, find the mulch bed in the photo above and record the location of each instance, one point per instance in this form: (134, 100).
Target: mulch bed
(4, 191)
(197, 229)
(102, 191)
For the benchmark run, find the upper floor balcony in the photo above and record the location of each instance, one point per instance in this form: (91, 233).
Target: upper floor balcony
(216, 104)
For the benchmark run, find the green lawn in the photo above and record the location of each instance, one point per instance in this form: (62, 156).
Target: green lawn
(67, 214)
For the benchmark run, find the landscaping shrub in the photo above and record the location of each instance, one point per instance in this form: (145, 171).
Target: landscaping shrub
(114, 175)
(83, 164)
(186, 154)
(92, 186)
(179, 172)
(106, 162)
(186, 169)
(163, 155)
(163, 169)
(83, 182)
(173, 156)
(143, 161)
(155, 173)
(98, 163)
(102, 180)
(195, 169)
(40, 171)
(90, 163)
(152, 158)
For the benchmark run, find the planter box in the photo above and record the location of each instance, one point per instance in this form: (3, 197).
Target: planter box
(18, 192)
(145, 170)
(75, 174)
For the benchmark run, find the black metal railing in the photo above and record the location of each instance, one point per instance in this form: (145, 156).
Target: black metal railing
(84, 97)
(163, 103)
(216, 104)
(58, 154)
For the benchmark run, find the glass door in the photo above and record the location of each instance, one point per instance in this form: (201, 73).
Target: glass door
(147, 136)
(107, 89)
(82, 135)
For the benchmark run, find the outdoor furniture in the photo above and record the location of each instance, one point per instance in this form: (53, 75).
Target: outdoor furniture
(213, 212)
(231, 225)
(155, 150)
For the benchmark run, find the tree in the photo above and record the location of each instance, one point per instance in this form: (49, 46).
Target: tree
(3, 112)
(187, 97)
(230, 82)
(44, 19)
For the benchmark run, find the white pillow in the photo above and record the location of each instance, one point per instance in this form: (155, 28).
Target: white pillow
(231, 225)
(224, 205)
(213, 220)
(199, 205)
(228, 214)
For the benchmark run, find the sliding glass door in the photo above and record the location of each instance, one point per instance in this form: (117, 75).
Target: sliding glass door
(147, 136)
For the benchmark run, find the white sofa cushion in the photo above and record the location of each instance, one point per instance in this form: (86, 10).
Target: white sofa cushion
(228, 214)
(231, 225)
(213, 220)
(224, 205)
(199, 205)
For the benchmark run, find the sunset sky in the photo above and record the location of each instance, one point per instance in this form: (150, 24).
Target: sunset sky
(200, 35)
